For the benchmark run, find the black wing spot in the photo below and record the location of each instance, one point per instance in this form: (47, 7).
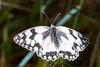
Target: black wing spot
(33, 34)
(71, 32)
(83, 39)
(45, 34)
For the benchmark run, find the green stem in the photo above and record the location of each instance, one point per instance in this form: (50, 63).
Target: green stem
(26, 59)
(41, 14)
(77, 15)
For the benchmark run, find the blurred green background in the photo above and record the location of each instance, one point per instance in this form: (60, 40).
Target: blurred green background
(18, 15)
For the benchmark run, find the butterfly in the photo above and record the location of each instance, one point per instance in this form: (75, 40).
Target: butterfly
(52, 42)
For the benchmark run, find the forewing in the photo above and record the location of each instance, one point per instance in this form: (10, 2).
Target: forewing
(76, 39)
(31, 39)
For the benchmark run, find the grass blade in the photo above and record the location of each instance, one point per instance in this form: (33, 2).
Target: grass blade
(26, 59)
(76, 18)
(67, 16)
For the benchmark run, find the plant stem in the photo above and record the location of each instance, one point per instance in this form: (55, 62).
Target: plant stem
(41, 14)
(77, 15)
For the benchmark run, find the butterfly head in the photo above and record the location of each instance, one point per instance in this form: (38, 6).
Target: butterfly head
(52, 26)
(53, 29)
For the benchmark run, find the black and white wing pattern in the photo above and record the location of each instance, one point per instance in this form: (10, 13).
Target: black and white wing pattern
(48, 50)
(76, 39)
(50, 43)
(70, 46)
(31, 39)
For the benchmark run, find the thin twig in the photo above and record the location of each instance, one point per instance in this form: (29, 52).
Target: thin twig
(16, 6)
(98, 57)
(3, 52)
(94, 50)
(0, 4)
(96, 22)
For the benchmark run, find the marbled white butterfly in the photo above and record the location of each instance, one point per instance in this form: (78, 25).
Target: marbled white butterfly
(50, 43)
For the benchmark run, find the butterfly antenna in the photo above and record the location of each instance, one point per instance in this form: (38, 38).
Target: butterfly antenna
(47, 17)
(56, 18)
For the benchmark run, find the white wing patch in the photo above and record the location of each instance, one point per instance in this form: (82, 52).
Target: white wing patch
(66, 43)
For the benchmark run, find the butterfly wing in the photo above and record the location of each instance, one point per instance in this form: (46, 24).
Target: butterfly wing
(48, 50)
(66, 50)
(71, 44)
(38, 39)
(76, 39)
(31, 39)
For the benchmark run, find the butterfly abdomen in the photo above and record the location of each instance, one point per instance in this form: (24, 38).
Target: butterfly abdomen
(54, 37)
